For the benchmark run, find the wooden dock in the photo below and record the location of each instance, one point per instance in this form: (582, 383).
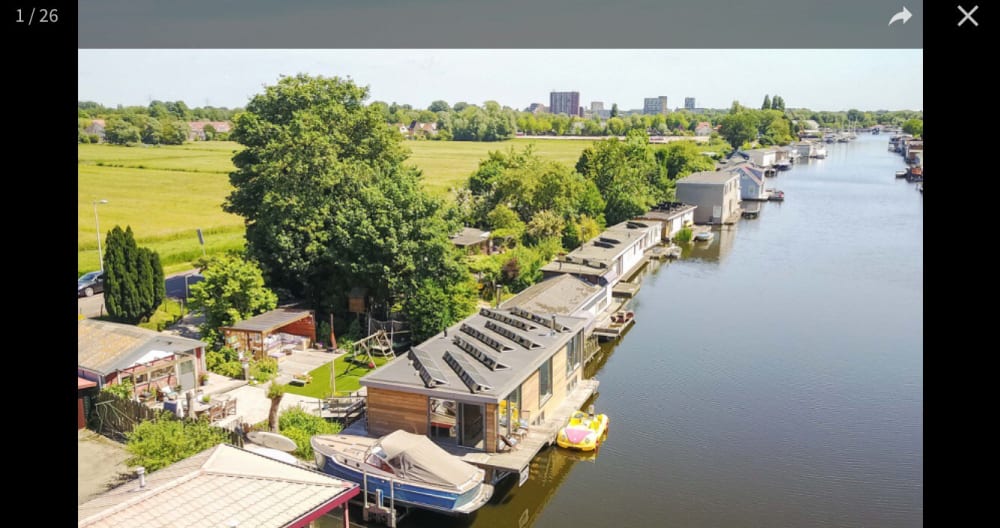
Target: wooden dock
(539, 436)
(625, 289)
(608, 331)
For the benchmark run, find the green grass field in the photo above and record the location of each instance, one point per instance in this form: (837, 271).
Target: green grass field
(166, 193)
(348, 374)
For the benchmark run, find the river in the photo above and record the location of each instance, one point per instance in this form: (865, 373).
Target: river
(774, 376)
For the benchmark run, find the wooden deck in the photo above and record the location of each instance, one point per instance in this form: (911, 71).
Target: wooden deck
(539, 436)
(625, 289)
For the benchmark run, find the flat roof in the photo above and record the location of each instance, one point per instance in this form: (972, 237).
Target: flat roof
(468, 236)
(560, 295)
(596, 255)
(667, 211)
(268, 321)
(456, 364)
(708, 178)
(105, 347)
(215, 488)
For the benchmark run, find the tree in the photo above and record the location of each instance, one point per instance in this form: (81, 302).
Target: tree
(175, 132)
(120, 132)
(544, 224)
(767, 102)
(778, 103)
(133, 277)
(626, 174)
(739, 128)
(439, 106)
(914, 127)
(274, 393)
(327, 201)
(614, 110)
(233, 290)
(681, 158)
(432, 307)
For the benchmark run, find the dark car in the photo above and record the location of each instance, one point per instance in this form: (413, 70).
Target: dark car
(90, 284)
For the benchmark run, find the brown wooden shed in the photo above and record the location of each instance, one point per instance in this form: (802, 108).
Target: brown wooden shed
(273, 334)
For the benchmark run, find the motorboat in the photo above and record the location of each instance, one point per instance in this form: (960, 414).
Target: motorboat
(901, 173)
(408, 468)
(819, 152)
(584, 431)
(783, 165)
(704, 236)
(776, 195)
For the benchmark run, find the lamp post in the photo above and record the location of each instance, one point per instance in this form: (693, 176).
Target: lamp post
(97, 222)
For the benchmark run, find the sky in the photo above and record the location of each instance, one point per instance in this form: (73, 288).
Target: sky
(816, 79)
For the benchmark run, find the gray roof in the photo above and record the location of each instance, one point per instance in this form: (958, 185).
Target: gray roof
(596, 255)
(268, 321)
(708, 178)
(469, 236)
(443, 359)
(561, 295)
(667, 211)
(105, 347)
(221, 485)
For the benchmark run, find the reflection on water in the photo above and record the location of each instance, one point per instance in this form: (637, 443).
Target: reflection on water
(714, 250)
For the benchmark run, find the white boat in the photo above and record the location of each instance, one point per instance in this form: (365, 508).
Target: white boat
(819, 152)
(704, 236)
(409, 468)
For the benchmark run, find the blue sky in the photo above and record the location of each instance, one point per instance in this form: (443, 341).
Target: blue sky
(816, 79)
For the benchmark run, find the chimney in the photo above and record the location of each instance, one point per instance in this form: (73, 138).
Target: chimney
(141, 471)
(553, 325)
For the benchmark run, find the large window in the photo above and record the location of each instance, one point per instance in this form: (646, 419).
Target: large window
(544, 383)
(574, 353)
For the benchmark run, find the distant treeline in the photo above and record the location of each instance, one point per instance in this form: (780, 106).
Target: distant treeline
(160, 123)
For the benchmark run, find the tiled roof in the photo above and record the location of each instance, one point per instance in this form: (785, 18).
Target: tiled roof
(217, 487)
(105, 347)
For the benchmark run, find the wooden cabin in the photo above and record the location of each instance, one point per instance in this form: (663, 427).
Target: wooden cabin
(272, 334)
(482, 381)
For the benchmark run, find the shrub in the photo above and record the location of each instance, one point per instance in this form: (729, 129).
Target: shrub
(300, 426)
(684, 235)
(264, 370)
(122, 390)
(158, 443)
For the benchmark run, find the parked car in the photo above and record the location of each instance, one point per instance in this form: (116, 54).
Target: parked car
(90, 284)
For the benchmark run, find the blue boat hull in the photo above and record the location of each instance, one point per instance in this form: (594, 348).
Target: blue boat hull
(405, 494)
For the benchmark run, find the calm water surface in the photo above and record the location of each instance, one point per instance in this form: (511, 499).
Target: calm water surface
(774, 376)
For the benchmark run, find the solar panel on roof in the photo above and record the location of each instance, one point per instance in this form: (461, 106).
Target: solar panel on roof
(521, 312)
(512, 335)
(470, 348)
(504, 318)
(429, 371)
(489, 341)
(467, 372)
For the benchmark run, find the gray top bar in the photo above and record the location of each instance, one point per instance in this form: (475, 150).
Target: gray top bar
(490, 24)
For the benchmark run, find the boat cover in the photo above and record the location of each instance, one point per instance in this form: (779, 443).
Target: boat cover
(418, 458)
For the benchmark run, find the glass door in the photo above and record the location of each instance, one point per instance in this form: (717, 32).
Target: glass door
(472, 425)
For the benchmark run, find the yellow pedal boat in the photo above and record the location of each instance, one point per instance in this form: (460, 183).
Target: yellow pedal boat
(584, 431)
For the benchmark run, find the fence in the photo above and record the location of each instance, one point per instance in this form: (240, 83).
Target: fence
(115, 417)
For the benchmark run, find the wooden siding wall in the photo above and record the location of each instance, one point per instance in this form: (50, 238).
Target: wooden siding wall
(529, 396)
(305, 327)
(558, 380)
(491, 427)
(389, 410)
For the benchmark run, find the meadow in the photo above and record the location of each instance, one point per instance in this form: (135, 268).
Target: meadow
(166, 193)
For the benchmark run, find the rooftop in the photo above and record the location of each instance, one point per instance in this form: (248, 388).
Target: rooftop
(667, 211)
(105, 347)
(560, 295)
(274, 319)
(597, 255)
(708, 178)
(468, 236)
(481, 358)
(215, 488)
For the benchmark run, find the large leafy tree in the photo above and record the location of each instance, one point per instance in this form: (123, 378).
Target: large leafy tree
(626, 174)
(133, 277)
(914, 126)
(233, 290)
(327, 201)
(739, 126)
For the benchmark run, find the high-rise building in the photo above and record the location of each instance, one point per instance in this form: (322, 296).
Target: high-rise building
(564, 103)
(689, 103)
(655, 105)
(596, 106)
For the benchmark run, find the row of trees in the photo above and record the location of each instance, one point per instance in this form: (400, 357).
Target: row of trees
(140, 128)
(742, 126)
(158, 110)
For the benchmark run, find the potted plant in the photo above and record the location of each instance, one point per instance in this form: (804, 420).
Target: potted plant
(203, 378)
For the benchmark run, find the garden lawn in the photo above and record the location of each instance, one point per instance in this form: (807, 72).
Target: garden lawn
(348, 375)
